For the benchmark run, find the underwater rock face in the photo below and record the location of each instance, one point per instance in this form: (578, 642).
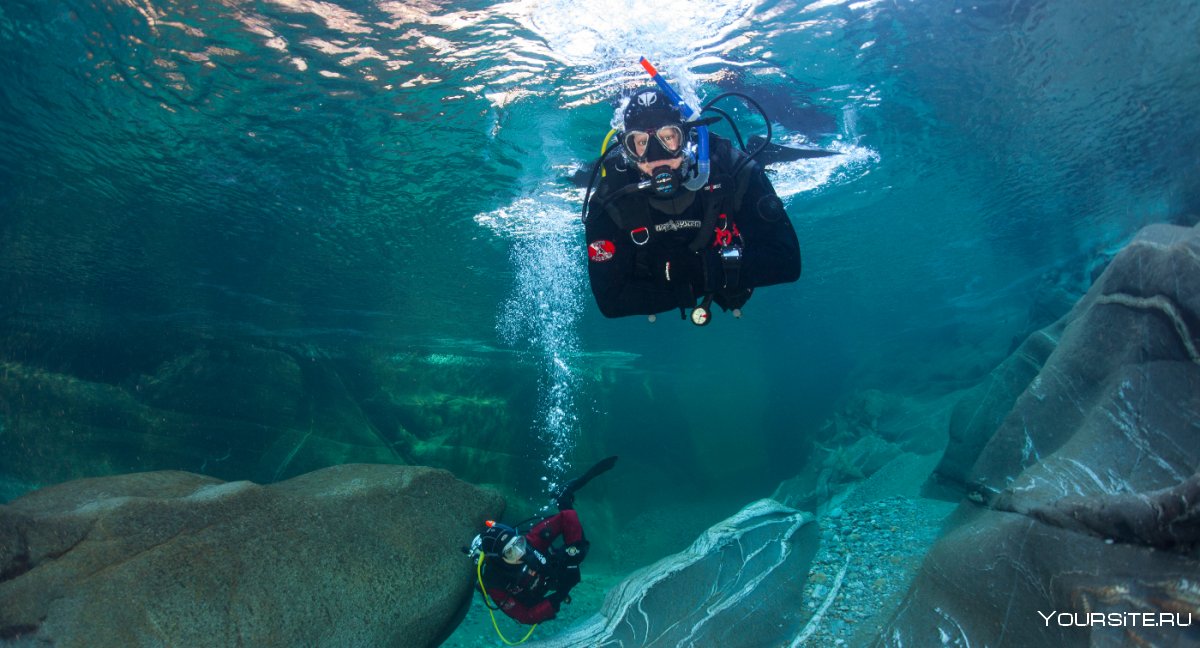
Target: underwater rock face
(739, 584)
(878, 445)
(1086, 498)
(354, 555)
(996, 577)
(977, 415)
(263, 412)
(246, 383)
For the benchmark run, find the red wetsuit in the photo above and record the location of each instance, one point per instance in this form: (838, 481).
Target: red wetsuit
(521, 590)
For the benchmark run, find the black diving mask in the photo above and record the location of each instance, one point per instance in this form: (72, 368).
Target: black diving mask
(662, 143)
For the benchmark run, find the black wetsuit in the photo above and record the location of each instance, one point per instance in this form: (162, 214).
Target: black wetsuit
(647, 255)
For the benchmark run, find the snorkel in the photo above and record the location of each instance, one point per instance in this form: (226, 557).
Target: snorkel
(702, 162)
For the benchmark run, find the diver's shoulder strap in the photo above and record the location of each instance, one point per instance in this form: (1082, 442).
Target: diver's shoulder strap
(627, 207)
(629, 215)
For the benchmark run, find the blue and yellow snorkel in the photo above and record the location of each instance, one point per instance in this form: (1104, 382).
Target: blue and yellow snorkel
(703, 165)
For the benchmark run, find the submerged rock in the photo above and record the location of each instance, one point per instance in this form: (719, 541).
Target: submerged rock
(981, 410)
(740, 584)
(235, 410)
(879, 445)
(1085, 499)
(354, 555)
(996, 577)
(245, 383)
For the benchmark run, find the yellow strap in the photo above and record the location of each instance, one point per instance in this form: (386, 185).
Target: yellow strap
(604, 148)
(479, 575)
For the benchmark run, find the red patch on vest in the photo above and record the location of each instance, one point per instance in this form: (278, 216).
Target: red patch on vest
(601, 250)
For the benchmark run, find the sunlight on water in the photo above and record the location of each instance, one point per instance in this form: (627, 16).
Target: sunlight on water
(803, 176)
(542, 313)
(595, 33)
(604, 51)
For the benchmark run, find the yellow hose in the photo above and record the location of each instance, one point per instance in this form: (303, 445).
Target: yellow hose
(479, 575)
(604, 148)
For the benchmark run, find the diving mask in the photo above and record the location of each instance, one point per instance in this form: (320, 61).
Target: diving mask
(662, 143)
(514, 550)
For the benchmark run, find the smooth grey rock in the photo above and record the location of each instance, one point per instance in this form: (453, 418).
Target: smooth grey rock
(1164, 519)
(985, 582)
(740, 584)
(1086, 497)
(981, 410)
(353, 555)
(1114, 410)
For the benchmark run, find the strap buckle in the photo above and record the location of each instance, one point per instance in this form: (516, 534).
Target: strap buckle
(723, 234)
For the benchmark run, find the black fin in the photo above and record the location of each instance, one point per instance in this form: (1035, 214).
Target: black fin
(567, 497)
(775, 153)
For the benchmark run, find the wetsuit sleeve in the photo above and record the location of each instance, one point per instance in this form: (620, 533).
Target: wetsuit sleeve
(528, 614)
(619, 283)
(771, 253)
(565, 524)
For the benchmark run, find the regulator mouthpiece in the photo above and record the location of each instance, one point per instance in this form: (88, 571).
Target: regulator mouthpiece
(665, 181)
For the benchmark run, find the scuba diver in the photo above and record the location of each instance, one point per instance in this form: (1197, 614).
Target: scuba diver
(681, 216)
(527, 576)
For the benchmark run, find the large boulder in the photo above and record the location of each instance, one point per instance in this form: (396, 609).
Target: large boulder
(353, 555)
(1085, 500)
(739, 584)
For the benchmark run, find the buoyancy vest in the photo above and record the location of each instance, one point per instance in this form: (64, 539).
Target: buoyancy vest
(721, 197)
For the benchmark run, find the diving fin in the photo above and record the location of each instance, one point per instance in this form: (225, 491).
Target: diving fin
(566, 498)
(773, 153)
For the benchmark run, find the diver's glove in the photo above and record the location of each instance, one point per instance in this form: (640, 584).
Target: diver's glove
(574, 553)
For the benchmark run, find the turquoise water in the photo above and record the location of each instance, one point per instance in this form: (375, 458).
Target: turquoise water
(383, 188)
